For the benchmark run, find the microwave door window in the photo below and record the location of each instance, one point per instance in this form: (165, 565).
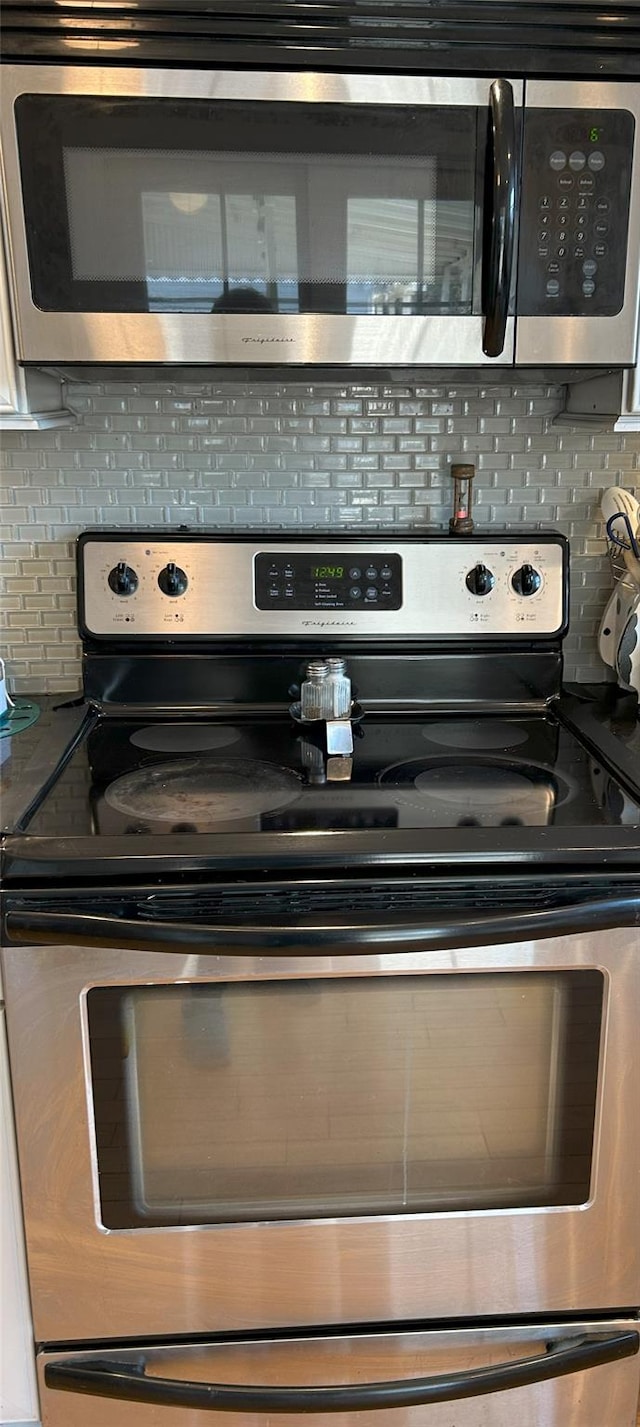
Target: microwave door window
(198, 207)
(409, 256)
(195, 233)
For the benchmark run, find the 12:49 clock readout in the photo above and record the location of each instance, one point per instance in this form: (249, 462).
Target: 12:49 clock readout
(327, 572)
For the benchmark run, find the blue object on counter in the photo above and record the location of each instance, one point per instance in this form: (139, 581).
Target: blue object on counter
(19, 714)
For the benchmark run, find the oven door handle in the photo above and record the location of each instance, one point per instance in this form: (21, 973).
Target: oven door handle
(498, 260)
(128, 1382)
(84, 929)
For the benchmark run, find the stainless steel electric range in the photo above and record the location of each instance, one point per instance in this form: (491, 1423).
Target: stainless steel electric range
(322, 971)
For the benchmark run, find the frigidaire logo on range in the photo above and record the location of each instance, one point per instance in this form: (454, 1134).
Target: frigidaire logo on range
(329, 623)
(262, 340)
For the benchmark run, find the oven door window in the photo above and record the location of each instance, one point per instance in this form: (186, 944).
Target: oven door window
(412, 1094)
(200, 206)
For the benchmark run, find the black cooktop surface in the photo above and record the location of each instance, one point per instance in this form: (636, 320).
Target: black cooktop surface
(265, 774)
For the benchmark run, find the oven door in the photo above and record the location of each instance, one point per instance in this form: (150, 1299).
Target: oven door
(355, 1124)
(226, 217)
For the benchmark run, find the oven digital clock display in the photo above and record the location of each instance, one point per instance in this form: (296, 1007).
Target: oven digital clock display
(360, 580)
(327, 572)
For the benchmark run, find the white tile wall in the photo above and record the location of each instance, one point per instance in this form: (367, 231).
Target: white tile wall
(290, 457)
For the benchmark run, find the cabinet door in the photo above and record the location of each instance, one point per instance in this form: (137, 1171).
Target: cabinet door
(18, 1397)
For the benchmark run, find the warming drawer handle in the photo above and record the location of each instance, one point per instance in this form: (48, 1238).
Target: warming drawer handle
(129, 1383)
(49, 928)
(498, 261)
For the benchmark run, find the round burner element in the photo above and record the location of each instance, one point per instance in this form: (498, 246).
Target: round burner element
(203, 792)
(480, 787)
(471, 734)
(474, 792)
(183, 737)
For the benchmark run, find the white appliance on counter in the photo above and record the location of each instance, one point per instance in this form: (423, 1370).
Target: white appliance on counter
(618, 638)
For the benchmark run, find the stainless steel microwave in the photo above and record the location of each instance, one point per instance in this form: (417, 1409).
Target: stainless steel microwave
(226, 218)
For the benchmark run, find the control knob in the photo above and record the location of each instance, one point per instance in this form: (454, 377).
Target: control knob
(172, 580)
(122, 579)
(480, 580)
(527, 580)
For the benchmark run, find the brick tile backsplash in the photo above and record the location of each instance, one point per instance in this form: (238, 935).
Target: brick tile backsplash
(291, 457)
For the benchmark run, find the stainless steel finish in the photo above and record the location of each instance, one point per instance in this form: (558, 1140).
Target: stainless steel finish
(163, 1282)
(339, 738)
(588, 341)
(219, 597)
(47, 337)
(301, 87)
(604, 1397)
(340, 767)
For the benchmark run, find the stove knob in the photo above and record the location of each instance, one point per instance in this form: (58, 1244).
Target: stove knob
(172, 580)
(526, 581)
(480, 580)
(122, 579)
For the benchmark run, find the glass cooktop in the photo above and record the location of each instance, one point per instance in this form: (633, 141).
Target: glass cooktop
(267, 774)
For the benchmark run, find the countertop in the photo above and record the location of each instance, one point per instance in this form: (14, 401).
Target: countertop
(29, 758)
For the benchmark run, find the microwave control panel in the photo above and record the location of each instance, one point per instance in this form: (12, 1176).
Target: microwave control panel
(574, 220)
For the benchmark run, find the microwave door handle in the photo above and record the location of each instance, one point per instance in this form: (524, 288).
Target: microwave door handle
(128, 1382)
(86, 930)
(498, 260)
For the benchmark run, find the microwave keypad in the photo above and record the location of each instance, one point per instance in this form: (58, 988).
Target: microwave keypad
(576, 182)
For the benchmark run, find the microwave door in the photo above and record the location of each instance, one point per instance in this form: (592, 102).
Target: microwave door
(231, 218)
(579, 231)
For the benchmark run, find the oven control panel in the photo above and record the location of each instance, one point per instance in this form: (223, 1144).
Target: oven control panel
(369, 581)
(174, 586)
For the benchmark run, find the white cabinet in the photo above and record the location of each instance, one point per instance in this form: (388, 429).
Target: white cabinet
(611, 402)
(629, 418)
(18, 1396)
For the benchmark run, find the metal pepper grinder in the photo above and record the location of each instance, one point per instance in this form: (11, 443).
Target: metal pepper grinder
(461, 522)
